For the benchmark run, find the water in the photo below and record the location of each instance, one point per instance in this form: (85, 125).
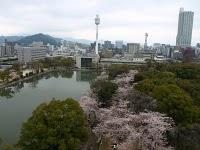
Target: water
(18, 102)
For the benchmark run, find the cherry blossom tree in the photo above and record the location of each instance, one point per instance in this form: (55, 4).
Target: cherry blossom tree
(125, 128)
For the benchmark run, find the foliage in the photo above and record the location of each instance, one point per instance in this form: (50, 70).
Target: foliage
(16, 67)
(139, 102)
(9, 147)
(173, 101)
(145, 86)
(37, 65)
(176, 90)
(116, 69)
(5, 75)
(57, 62)
(192, 88)
(104, 91)
(185, 138)
(123, 127)
(59, 125)
(185, 71)
(138, 77)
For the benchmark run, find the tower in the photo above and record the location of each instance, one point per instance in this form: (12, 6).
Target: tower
(185, 26)
(97, 22)
(145, 44)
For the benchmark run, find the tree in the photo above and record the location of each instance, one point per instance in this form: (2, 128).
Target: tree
(192, 88)
(185, 71)
(145, 86)
(115, 70)
(175, 102)
(138, 77)
(37, 66)
(67, 62)
(4, 75)
(185, 138)
(16, 67)
(59, 125)
(139, 102)
(104, 91)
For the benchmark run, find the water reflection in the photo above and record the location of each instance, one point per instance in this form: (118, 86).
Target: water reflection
(83, 76)
(7, 92)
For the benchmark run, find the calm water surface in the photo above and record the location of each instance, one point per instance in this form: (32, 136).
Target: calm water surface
(18, 102)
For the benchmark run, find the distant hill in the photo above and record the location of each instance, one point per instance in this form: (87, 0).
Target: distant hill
(39, 38)
(27, 40)
(83, 41)
(10, 38)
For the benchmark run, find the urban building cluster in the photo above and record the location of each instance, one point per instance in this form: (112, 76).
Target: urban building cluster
(108, 52)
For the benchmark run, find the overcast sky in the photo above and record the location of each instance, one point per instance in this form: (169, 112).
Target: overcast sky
(126, 20)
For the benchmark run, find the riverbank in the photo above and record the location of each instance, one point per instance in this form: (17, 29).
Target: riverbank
(8, 84)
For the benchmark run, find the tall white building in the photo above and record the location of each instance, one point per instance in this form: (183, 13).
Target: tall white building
(185, 26)
(34, 52)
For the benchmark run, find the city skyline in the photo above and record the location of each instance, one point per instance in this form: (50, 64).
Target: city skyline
(121, 20)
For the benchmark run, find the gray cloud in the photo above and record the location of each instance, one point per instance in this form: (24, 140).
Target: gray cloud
(127, 19)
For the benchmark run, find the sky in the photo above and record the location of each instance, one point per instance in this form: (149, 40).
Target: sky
(126, 20)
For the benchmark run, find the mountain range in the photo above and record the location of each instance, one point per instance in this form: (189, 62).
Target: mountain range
(26, 40)
(39, 38)
(10, 38)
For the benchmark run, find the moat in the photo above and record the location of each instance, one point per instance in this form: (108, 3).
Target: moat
(18, 102)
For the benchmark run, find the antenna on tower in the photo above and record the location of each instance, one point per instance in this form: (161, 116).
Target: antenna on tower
(97, 22)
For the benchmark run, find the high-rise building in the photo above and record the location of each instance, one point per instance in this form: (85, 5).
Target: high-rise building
(107, 45)
(185, 26)
(119, 44)
(133, 48)
(145, 43)
(7, 49)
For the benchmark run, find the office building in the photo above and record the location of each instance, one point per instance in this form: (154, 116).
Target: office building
(107, 45)
(7, 49)
(185, 26)
(156, 46)
(34, 52)
(119, 44)
(133, 48)
(86, 61)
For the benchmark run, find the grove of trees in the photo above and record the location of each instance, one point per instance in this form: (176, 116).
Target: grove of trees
(176, 90)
